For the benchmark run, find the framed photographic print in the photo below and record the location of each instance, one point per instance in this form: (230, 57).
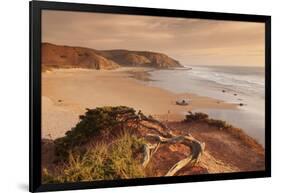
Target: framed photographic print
(125, 96)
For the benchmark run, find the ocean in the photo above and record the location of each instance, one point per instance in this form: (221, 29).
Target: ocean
(231, 84)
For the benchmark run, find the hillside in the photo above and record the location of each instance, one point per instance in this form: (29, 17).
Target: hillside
(57, 56)
(119, 143)
(54, 56)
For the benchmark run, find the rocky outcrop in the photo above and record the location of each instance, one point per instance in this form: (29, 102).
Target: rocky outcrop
(56, 56)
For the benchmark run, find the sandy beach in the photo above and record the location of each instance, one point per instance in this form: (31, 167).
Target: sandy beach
(68, 92)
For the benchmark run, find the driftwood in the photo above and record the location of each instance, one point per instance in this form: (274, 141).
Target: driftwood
(167, 137)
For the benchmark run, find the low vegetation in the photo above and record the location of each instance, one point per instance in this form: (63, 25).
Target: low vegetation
(99, 147)
(95, 122)
(105, 145)
(202, 117)
(116, 160)
(191, 117)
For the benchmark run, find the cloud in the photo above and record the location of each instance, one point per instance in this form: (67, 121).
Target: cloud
(192, 41)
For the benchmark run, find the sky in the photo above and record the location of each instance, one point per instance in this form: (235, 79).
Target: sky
(190, 41)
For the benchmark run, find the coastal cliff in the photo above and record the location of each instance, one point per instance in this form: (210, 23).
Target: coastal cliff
(57, 56)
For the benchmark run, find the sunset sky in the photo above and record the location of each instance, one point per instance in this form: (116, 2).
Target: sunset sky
(191, 41)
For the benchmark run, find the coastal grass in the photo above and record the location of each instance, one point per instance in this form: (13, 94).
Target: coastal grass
(102, 161)
(100, 147)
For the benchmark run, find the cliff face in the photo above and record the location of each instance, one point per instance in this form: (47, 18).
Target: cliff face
(140, 58)
(55, 56)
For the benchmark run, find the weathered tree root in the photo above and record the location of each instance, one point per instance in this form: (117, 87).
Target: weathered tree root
(166, 137)
(163, 136)
(197, 149)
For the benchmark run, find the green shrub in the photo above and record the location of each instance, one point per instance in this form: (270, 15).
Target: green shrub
(95, 121)
(218, 123)
(197, 116)
(202, 117)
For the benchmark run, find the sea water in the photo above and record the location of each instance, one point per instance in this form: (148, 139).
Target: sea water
(237, 85)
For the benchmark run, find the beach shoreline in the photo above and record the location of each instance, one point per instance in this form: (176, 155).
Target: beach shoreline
(243, 86)
(65, 98)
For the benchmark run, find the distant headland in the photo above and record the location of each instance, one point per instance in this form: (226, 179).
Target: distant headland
(58, 56)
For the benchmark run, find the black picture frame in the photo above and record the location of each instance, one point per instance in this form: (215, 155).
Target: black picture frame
(36, 7)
